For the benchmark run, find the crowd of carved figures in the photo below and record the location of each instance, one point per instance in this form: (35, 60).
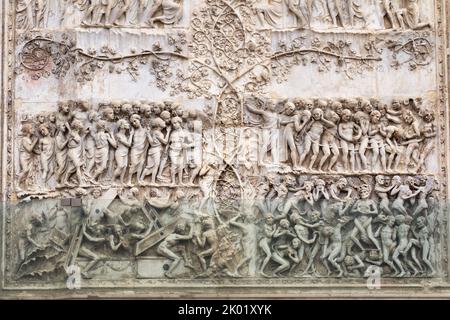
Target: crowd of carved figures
(138, 143)
(108, 13)
(343, 13)
(251, 187)
(118, 143)
(358, 135)
(392, 14)
(298, 227)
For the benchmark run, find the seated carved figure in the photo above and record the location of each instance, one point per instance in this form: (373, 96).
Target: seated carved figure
(409, 17)
(171, 12)
(270, 12)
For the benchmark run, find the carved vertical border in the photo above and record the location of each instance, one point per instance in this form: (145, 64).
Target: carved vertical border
(444, 85)
(442, 100)
(7, 127)
(2, 140)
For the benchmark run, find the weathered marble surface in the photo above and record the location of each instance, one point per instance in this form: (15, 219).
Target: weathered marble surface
(219, 147)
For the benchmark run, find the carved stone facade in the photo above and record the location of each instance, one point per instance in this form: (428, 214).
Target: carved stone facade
(269, 148)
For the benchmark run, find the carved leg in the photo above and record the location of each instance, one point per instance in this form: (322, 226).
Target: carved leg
(326, 153)
(332, 258)
(344, 148)
(265, 247)
(425, 252)
(284, 264)
(308, 143)
(372, 237)
(353, 235)
(315, 149)
(312, 256)
(386, 251)
(397, 261)
(362, 154)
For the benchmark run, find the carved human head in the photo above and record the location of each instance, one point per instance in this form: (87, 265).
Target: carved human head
(412, 181)
(27, 129)
(346, 115)
(37, 218)
(336, 106)
(328, 231)
(375, 102)
(269, 219)
(43, 129)
(366, 106)
(284, 223)
(315, 216)
(61, 127)
(127, 109)
(400, 219)
(298, 102)
(289, 108)
(180, 228)
(408, 117)
(396, 104)
(135, 120)
(349, 261)
(319, 183)
(157, 109)
(93, 116)
(332, 116)
(342, 183)
(295, 218)
(123, 124)
(364, 191)
(101, 125)
(317, 114)
(96, 193)
(63, 107)
(99, 229)
(176, 122)
(309, 104)
(108, 114)
(116, 105)
(146, 110)
(380, 179)
(166, 116)
(136, 107)
(40, 118)
(290, 180)
(52, 117)
(308, 186)
(322, 104)
(427, 115)
(390, 221)
(420, 222)
(118, 229)
(375, 116)
(295, 243)
(397, 180)
(83, 105)
(158, 123)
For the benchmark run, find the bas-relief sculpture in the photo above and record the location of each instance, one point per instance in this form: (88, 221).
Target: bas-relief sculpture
(221, 177)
